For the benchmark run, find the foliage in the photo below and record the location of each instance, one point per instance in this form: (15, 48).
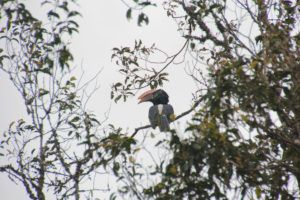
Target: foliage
(59, 148)
(245, 135)
(136, 78)
(243, 141)
(138, 6)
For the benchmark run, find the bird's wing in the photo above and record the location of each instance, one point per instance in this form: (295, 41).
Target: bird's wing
(153, 116)
(168, 111)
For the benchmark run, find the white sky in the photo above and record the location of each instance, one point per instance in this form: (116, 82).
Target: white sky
(103, 27)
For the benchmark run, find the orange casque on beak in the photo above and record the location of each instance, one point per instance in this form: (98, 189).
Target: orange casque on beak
(146, 96)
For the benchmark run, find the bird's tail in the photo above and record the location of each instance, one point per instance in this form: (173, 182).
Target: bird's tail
(164, 123)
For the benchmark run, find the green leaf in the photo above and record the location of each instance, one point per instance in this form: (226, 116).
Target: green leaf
(53, 14)
(116, 168)
(153, 84)
(112, 197)
(29, 101)
(75, 119)
(117, 85)
(258, 192)
(118, 98)
(44, 70)
(73, 78)
(43, 92)
(73, 13)
(112, 94)
(128, 13)
(192, 45)
(142, 18)
(258, 38)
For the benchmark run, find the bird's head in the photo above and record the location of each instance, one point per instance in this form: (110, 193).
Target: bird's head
(155, 96)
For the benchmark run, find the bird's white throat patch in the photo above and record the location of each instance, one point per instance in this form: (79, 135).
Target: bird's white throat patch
(160, 108)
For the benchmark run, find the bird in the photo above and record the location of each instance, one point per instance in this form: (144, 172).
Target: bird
(161, 113)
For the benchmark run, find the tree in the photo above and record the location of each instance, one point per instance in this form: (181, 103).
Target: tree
(59, 149)
(244, 135)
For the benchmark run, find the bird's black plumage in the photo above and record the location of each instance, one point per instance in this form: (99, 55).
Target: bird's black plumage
(160, 97)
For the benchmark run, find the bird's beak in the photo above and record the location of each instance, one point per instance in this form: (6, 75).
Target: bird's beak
(146, 96)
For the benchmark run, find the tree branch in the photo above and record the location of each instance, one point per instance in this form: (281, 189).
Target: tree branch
(21, 177)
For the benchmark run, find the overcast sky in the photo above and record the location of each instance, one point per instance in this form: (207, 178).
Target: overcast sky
(102, 27)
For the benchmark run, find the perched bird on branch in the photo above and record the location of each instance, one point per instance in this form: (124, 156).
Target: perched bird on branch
(161, 113)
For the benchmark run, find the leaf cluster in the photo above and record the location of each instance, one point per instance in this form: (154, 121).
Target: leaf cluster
(244, 134)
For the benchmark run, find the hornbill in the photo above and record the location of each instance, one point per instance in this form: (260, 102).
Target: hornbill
(161, 113)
